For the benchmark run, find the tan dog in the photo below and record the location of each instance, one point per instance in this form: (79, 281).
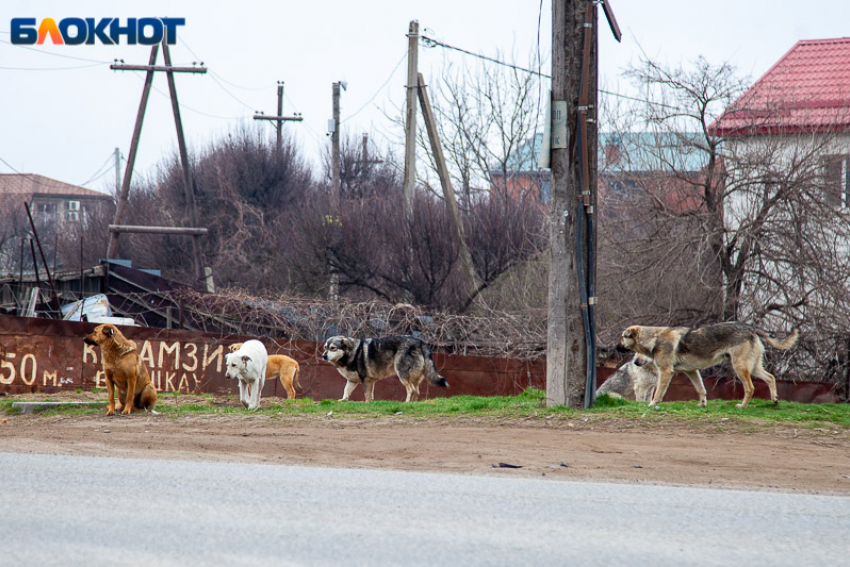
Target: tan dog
(283, 366)
(124, 370)
(679, 349)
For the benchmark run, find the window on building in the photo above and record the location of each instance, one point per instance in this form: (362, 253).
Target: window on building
(72, 215)
(836, 180)
(72, 205)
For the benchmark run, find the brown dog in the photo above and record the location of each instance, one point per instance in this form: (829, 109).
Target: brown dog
(680, 349)
(280, 365)
(123, 370)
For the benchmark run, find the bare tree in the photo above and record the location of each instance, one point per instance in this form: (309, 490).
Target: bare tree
(485, 114)
(751, 234)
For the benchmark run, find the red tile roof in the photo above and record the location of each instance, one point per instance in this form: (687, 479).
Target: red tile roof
(808, 90)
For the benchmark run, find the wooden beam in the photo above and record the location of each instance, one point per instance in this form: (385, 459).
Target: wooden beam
(169, 68)
(157, 229)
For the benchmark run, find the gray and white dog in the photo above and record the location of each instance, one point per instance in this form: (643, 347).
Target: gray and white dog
(365, 361)
(635, 380)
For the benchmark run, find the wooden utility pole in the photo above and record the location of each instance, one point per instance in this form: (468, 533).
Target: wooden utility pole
(571, 353)
(410, 119)
(448, 189)
(280, 118)
(117, 228)
(188, 184)
(123, 195)
(566, 360)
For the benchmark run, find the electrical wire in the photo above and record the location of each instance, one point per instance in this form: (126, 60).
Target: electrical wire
(9, 165)
(381, 88)
(430, 42)
(231, 95)
(93, 179)
(183, 105)
(97, 174)
(64, 56)
(52, 68)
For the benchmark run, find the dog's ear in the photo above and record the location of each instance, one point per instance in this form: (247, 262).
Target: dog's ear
(349, 343)
(629, 333)
(245, 358)
(108, 331)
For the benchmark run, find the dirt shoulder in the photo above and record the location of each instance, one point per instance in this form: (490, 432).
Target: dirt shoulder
(606, 449)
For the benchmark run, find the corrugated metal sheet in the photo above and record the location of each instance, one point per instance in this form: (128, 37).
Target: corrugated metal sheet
(43, 355)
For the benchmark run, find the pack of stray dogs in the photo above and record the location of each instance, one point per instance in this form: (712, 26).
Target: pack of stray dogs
(359, 361)
(659, 354)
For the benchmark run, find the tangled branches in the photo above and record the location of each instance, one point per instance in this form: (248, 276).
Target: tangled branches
(492, 334)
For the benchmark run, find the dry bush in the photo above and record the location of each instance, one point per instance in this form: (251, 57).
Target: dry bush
(491, 333)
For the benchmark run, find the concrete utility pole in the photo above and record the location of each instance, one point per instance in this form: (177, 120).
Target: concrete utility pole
(280, 118)
(336, 182)
(410, 119)
(117, 171)
(279, 113)
(570, 362)
(188, 184)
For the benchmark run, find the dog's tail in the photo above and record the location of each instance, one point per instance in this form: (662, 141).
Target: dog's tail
(784, 344)
(431, 373)
(295, 377)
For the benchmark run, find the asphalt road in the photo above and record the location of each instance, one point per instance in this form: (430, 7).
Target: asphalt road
(61, 510)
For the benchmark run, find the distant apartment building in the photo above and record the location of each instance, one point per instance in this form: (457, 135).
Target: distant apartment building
(629, 165)
(50, 201)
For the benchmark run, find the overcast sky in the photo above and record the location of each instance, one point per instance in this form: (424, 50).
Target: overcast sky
(63, 111)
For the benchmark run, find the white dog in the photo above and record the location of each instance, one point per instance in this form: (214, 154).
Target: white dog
(248, 365)
(635, 380)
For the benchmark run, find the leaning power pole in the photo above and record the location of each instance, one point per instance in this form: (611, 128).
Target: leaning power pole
(571, 354)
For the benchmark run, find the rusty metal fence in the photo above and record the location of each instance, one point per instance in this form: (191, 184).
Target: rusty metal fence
(44, 355)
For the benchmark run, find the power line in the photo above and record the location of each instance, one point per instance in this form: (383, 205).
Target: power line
(97, 174)
(51, 68)
(430, 42)
(219, 79)
(231, 95)
(10, 166)
(52, 53)
(187, 107)
(92, 180)
(392, 74)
